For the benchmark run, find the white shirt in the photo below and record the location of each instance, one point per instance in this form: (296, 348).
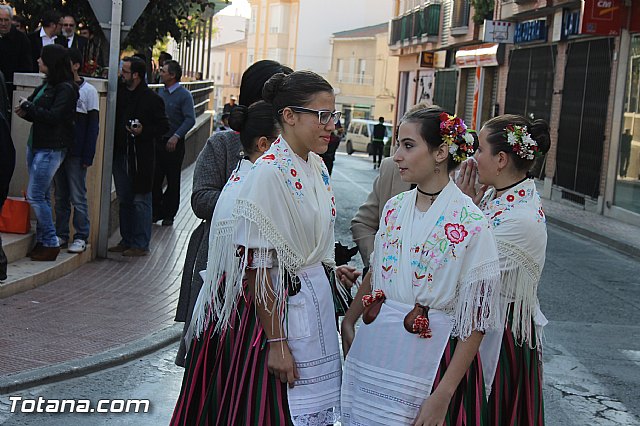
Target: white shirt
(46, 40)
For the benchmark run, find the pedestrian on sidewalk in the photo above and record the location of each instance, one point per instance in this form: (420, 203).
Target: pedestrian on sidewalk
(140, 123)
(51, 108)
(377, 142)
(431, 292)
(214, 165)
(178, 105)
(71, 179)
(512, 355)
(7, 165)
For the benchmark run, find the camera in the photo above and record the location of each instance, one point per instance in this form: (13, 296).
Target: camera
(134, 124)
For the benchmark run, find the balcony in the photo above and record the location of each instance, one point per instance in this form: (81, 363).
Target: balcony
(360, 79)
(420, 24)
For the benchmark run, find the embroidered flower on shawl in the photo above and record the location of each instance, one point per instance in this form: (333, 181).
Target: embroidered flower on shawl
(454, 133)
(455, 232)
(269, 157)
(294, 173)
(520, 139)
(298, 186)
(522, 193)
(510, 198)
(333, 212)
(325, 178)
(386, 217)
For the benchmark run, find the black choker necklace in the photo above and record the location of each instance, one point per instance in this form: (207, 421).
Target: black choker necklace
(512, 185)
(432, 195)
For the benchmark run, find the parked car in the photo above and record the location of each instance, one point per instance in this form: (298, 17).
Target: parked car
(359, 134)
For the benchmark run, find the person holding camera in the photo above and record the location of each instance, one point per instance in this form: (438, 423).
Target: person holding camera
(140, 122)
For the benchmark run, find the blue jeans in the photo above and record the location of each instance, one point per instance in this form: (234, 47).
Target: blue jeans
(43, 164)
(71, 189)
(135, 209)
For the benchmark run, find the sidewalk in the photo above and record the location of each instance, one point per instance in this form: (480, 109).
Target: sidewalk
(114, 310)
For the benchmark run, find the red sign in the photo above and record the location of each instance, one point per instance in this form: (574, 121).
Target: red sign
(634, 25)
(602, 17)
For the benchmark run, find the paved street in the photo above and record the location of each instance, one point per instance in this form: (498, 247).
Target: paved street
(589, 293)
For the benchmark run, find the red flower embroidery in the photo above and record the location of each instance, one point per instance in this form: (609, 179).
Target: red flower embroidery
(455, 233)
(298, 186)
(294, 173)
(236, 178)
(386, 217)
(269, 157)
(521, 193)
(510, 198)
(333, 212)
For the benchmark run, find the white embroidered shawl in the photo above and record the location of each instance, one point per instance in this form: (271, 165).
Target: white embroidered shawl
(519, 225)
(446, 259)
(222, 262)
(289, 204)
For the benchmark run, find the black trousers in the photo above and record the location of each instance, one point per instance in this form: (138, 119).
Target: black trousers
(378, 149)
(168, 165)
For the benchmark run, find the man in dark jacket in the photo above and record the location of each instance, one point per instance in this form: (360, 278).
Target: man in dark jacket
(50, 26)
(377, 142)
(15, 49)
(7, 164)
(140, 123)
(68, 37)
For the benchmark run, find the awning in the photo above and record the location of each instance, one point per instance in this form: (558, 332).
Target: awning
(484, 55)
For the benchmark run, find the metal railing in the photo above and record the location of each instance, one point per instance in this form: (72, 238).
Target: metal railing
(423, 22)
(351, 78)
(200, 90)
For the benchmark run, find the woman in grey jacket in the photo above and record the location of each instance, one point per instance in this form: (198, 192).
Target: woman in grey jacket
(214, 165)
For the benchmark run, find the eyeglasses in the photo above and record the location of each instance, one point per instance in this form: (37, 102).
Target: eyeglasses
(324, 115)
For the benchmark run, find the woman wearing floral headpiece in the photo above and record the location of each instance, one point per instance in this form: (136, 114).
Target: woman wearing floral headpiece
(511, 356)
(435, 278)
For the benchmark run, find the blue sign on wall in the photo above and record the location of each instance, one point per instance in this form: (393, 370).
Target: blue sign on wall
(531, 31)
(570, 23)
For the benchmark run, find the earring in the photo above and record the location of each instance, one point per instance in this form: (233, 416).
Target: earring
(436, 170)
(498, 172)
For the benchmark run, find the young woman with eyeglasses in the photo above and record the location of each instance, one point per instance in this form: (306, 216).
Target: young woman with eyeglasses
(277, 306)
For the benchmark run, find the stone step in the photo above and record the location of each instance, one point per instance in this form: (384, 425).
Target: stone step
(25, 274)
(16, 246)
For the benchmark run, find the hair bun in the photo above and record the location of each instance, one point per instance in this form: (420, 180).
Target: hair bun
(539, 131)
(272, 87)
(238, 117)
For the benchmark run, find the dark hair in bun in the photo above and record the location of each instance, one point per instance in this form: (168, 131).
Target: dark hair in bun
(429, 120)
(295, 89)
(497, 137)
(253, 122)
(255, 76)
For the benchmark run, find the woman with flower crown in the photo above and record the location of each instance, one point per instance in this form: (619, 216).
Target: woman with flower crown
(511, 356)
(435, 278)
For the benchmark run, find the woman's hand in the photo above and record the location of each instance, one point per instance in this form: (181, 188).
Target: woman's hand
(433, 410)
(347, 275)
(281, 364)
(466, 181)
(348, 333)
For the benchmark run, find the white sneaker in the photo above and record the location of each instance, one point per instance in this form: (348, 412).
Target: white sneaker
(62, 242)
(77, 246)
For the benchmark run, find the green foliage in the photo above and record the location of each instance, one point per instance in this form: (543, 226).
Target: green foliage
(483, 10)
(160, 18)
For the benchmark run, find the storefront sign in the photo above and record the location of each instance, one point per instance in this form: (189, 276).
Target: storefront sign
(426, 59)
(485, 55)
(440, 59)
(498, 31)
(602, 17)
(531, 31)
(570, 23)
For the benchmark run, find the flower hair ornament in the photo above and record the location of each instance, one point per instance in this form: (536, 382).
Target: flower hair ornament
(523, 145)
(454, 133)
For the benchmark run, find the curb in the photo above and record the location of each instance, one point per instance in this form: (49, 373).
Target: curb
(623, 248)
(80, 367)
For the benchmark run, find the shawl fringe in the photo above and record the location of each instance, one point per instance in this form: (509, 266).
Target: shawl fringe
(520, 278)
(478, 301)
